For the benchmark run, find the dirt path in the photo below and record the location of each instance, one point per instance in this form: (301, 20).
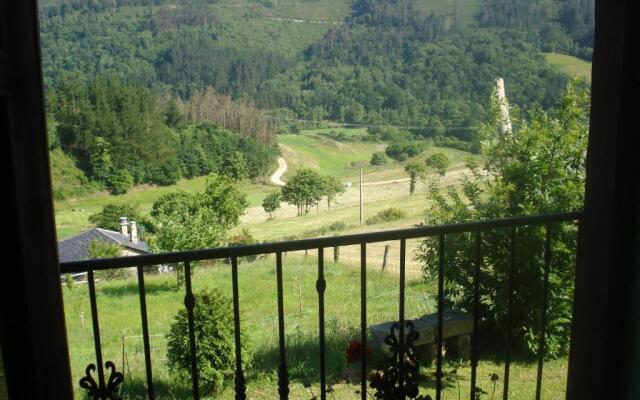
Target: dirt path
(282, 168)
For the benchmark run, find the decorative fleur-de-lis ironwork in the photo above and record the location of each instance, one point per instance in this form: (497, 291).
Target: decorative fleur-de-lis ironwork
(108, 392)
(399, 381)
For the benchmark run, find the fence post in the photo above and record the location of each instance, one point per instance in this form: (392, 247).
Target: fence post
(336, 254)
(385, 258)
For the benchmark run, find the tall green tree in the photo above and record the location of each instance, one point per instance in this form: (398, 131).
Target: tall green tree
(100, 160)
(304, 189)
(332, 188)
(202, 220)
(415, 169)
(235, 166)
(271, 203)
(539, 168)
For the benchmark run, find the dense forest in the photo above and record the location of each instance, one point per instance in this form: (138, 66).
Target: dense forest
(118, 71)
(123, 134)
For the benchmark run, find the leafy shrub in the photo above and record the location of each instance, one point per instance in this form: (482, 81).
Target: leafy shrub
(455, 143)
(241, 239)
(215, 355)
(389, 134)
(379, 158)
(439, 162)
(120, 182)
(337, 226)
(338, 136)
(400, 151)
(390, 214)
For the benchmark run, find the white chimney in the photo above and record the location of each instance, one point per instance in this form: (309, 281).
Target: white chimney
(124, 231)
(133, 236)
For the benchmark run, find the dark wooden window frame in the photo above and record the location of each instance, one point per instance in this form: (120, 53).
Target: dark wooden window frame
(605, 354)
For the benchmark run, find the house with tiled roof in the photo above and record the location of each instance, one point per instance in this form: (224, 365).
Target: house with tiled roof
(77, 248)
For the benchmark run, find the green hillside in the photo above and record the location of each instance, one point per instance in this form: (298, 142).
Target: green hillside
(570, 65)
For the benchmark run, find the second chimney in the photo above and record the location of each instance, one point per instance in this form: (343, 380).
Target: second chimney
(133, 236)
(124, 231)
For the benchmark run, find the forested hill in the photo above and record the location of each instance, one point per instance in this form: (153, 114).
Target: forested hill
(392, 61)
(401, 62)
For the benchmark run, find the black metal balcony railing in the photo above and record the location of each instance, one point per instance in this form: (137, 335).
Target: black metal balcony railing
(105, 388)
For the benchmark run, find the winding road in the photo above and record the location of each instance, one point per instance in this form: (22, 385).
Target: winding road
(282, 168)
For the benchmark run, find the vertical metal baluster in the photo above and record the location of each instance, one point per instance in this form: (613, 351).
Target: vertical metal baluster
(476, 310)
(363, 319)
(440, 316)
(401, 341)
(543, 310)
(321, 285)
(283, 374)
(189, 303)
(239, 380)
(145, 333)
(512, 266)
(96, 328)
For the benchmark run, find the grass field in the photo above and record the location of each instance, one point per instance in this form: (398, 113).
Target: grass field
(570, 65)
(341, 159)
(118, 305)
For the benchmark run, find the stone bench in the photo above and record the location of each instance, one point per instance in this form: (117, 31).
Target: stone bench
(456, 330)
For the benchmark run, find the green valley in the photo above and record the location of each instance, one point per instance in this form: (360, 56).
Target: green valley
(234, 122)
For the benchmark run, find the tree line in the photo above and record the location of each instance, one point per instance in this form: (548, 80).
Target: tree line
(123, 134)
(305, 189)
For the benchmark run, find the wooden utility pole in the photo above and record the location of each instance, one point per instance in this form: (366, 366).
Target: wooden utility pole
(361, 199)
(505, 121)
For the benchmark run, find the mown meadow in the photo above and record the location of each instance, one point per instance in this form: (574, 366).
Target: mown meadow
(118, 305)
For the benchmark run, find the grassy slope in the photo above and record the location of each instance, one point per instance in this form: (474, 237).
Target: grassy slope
(570, 65)
(118, 304)
(305, 150)
(340, 159)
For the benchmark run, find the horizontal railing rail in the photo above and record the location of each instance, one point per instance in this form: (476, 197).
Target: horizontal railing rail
(403, 367)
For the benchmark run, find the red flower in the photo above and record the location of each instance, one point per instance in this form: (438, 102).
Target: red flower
(375, 377)
(354, 351)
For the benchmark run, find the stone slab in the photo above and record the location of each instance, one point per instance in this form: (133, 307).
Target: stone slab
(455, 323)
